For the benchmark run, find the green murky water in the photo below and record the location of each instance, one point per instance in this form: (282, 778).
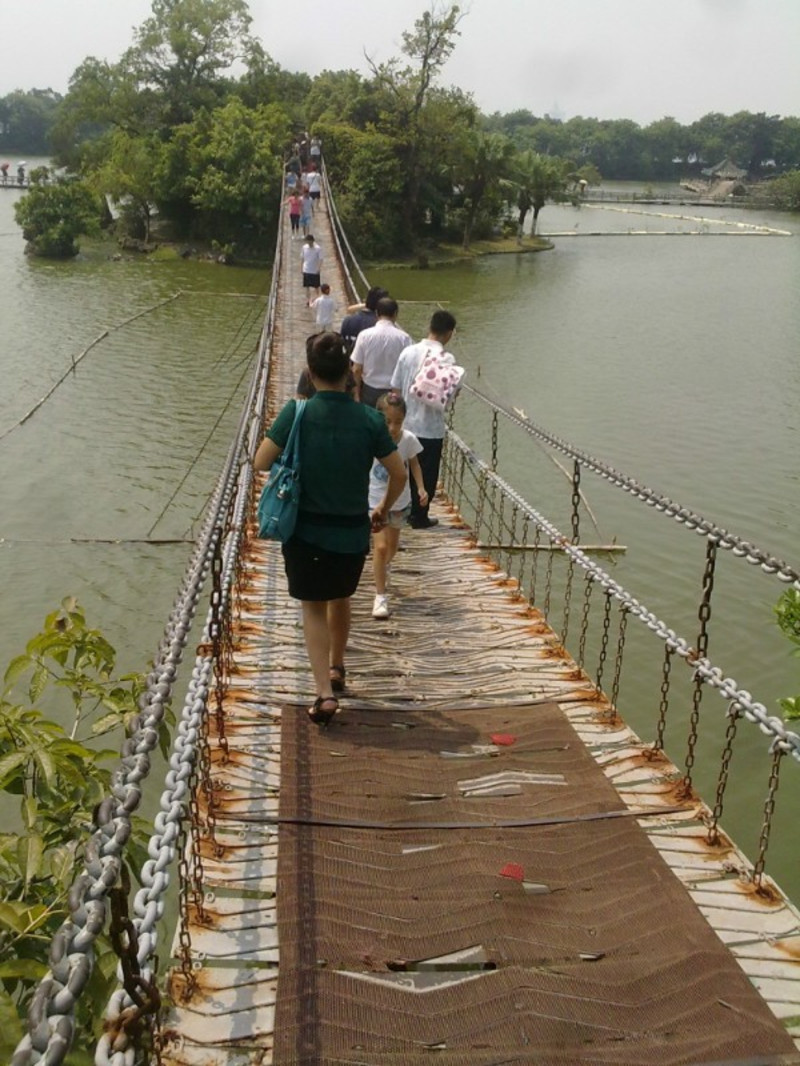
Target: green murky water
(672, 357)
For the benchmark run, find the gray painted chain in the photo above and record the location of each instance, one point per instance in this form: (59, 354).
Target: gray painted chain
(742, 549)
(51, 1021)
(114, 1048)
(770, 725)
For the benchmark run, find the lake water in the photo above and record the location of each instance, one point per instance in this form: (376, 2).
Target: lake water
(674, 358)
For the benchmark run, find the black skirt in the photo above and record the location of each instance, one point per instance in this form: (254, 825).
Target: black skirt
(316, 574)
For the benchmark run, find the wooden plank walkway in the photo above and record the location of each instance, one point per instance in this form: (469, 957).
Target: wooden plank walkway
(628, 940)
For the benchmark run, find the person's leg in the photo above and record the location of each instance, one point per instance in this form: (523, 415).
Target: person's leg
(429, 461)
(380, 557)
(392, 541)
(338, 625)
(318, 643)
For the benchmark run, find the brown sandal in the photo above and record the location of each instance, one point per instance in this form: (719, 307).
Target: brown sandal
(337, 675)
(323, 715)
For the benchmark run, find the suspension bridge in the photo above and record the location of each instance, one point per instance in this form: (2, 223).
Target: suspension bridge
(479, 862)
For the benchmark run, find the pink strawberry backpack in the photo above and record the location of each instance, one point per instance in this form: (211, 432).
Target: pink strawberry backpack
(436, 382)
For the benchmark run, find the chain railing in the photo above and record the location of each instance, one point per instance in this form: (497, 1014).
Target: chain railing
(51, 1018)
(190, 775)
(493, 509)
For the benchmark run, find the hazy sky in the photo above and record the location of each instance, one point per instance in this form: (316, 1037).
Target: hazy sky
(637, 59)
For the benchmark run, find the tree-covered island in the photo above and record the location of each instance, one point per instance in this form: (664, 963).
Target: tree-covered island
(169, 131)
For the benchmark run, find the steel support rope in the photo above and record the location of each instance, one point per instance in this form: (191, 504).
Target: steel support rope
(782, 739)
(340, 237)
(740, 548)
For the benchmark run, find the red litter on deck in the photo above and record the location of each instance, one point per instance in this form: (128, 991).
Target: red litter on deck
(503, 740)
(514, 871)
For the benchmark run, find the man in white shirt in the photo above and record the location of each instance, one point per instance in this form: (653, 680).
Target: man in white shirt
(376, 352)
(427, 423)
(311, 258)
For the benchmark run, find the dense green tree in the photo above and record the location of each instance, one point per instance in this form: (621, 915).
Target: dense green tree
(54, 216)
(483, 163)
(338, 96)
(751, 139)
(785, 191)
(234, 167)
(368, 184)
(183, 50)
(409, 90)
(266, 82)
(129, 175)
(26, 119)
(787, 144)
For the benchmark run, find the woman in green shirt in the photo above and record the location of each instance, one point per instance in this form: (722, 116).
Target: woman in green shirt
(339, 439)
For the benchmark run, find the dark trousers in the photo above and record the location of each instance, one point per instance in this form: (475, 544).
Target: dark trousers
(370, 395)
(430, 459)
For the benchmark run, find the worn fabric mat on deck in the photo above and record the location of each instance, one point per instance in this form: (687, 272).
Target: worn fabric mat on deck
(566, 941)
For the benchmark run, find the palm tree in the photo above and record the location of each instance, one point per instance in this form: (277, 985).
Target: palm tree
(484, 163)
(537, 179)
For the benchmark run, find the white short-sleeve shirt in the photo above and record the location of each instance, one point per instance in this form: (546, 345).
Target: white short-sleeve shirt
(377, 350)
(421, 419)
(407, 447)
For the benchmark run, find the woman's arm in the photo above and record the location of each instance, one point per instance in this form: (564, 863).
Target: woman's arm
(416, 473)
(268, 452)
(396, 469)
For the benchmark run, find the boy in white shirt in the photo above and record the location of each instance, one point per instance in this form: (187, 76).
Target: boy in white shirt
(385, 541)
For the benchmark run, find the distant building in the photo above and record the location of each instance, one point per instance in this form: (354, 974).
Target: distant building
(724, 171)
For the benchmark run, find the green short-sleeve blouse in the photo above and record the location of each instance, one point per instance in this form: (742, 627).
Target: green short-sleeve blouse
(339, 439)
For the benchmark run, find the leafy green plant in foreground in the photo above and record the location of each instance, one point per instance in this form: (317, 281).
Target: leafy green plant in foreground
(787, 615)
(58, 780)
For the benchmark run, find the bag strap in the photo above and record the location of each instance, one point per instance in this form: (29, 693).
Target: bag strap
(292, 450)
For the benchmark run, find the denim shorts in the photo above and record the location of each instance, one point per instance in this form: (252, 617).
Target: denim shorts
(397, 519)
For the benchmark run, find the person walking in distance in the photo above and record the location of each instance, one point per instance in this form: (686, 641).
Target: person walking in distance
(311, 259)
(295, 209)
(427, 423)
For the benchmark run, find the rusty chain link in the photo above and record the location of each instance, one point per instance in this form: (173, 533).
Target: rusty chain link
(587, 603)
(769, 812)
(576, 501)
(601, 660)
(567, 599)
(701, 651)
(663, 706)
(734, 713)
(618, 658)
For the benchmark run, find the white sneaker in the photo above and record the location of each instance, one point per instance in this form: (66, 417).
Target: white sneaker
(380, 608)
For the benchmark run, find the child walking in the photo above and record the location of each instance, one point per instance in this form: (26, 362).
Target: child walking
(324, 308)
(385, 541)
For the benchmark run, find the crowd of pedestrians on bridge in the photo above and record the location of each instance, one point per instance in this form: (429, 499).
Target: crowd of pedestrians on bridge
(370, 451)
